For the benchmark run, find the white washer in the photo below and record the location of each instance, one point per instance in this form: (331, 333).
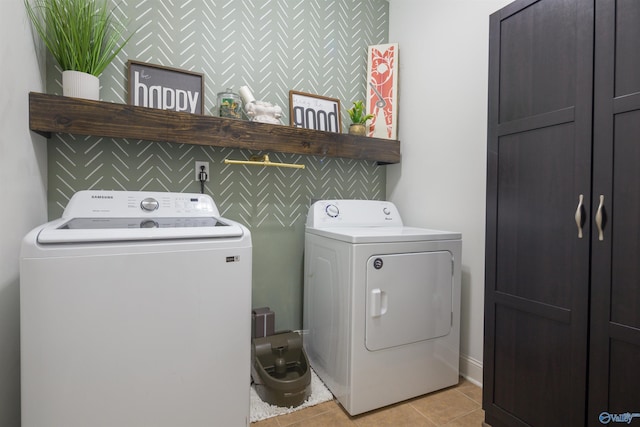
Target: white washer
(135, 311)
(381, 304)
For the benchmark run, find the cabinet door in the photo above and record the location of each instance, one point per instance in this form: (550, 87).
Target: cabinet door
(614, 381)
(539, 164)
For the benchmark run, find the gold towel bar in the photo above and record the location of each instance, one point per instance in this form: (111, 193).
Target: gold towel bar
(262, 161)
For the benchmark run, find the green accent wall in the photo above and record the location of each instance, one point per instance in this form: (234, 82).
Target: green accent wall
(272, 46)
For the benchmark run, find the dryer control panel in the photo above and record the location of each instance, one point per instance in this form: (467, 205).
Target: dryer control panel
(353, 213)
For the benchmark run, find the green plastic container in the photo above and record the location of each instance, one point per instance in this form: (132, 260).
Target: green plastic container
(280, 369)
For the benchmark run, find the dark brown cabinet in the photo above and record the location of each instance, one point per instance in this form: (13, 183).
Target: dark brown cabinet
(562, 291)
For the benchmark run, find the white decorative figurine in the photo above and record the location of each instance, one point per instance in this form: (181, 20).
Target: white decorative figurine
(260, 111)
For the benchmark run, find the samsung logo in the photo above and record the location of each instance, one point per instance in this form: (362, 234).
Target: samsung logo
(101, 197)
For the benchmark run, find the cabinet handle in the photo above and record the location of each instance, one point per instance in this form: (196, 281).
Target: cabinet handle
(600, 218)
(579, 217)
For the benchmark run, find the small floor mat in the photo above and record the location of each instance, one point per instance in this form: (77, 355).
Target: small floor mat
(261, 410)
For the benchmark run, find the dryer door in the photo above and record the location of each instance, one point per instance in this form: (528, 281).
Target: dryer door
(408, 298)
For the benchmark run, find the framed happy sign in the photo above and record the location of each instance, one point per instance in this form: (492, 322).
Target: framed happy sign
(165, 88)
(314, 112)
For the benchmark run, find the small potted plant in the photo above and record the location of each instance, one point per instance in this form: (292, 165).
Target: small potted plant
(358, 119)
(83, 38)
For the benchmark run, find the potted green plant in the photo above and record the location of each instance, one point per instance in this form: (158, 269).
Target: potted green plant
(83, 38)
(358, 118)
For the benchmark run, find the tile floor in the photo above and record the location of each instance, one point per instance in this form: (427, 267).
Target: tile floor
(457, 406)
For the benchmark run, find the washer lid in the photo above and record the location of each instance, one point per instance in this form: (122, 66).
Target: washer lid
(108, 216)
(75, 230)
(383, 234)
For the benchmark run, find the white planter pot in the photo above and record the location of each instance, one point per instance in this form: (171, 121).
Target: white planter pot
(80, 85)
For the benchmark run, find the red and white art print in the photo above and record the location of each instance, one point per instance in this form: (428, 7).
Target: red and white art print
(382, 90)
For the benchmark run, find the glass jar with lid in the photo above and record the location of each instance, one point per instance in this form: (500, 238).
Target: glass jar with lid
(229, 104)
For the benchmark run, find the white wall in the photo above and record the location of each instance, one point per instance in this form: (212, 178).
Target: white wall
(22, 187)
(440, 182)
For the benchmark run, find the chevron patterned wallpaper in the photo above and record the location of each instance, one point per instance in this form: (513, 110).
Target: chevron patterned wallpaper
(272, 46)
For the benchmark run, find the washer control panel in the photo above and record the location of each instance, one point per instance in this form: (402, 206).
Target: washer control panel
(132, 204)
(353, 213)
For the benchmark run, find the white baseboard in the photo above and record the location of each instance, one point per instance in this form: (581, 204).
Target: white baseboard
(471, 369)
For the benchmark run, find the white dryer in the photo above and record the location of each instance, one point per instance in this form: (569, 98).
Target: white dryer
(381, 303)
(135, 311)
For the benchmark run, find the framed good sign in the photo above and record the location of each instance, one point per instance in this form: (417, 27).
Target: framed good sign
(314, 112)
(165, 88)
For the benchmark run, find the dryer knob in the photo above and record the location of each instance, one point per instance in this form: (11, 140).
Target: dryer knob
(386, 211)
(149, 204)
(332, 211)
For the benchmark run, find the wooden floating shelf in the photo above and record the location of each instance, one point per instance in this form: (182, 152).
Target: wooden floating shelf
(61, 114)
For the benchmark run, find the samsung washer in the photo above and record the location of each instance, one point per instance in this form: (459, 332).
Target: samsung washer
(135, 311)
(381, 304)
